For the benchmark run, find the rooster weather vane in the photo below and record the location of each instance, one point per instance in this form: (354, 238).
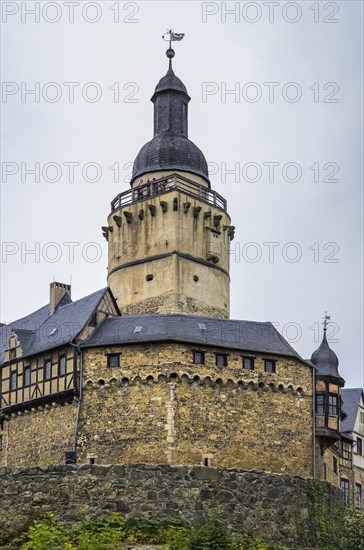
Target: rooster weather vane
(171, 36)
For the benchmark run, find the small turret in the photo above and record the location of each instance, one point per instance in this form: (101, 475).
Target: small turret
(328, 393)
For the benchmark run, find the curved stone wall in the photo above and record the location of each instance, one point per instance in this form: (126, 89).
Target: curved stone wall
(276, 507)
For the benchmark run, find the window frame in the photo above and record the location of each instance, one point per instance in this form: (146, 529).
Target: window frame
(358, 493)
(334, 465)
(110, 357)
(320, 411)
(224, 357)
(274, 363)
(203, 357)
(359, 446)
(26, 370)
(345, 489)
(13, 377)
(333, 406)
(248, 358)
(60, 374)
(47, 363)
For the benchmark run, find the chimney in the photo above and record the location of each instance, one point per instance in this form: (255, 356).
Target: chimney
(57, 291)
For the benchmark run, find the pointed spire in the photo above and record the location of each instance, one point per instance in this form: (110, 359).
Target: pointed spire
(170, 148)
(324, 358)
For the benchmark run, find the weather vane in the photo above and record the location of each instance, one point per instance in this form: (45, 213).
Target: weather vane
(325, 319)
(171, 36)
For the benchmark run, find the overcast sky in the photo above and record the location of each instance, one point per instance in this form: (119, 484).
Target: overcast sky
(285, 148)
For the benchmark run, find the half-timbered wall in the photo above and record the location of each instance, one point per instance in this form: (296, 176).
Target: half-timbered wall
(27, 379)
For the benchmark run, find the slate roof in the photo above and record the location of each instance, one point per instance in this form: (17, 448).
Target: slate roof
(41, 330)
(170, 151)
(225, 333)
(326, 361)
(170, 82)
(351, 399)
(170, 148)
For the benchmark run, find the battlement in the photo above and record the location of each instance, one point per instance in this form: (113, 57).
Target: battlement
(164, 185)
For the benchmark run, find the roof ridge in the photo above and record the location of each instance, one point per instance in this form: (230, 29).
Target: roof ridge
(80, 299)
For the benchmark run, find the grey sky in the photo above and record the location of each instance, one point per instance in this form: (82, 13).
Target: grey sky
(231, 130)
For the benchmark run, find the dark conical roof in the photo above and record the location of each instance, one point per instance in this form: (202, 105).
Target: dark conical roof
(170, 148)
(170, 82)
(325, 360)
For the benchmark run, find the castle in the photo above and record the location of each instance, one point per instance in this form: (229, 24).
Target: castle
(150, 369)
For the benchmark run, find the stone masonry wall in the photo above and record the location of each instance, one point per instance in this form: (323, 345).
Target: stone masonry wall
(272, 506)
(160, 408)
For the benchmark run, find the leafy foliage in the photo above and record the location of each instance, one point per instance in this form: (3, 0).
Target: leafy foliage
(204, 533)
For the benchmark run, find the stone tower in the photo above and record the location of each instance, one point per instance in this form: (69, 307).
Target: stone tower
(169, 236)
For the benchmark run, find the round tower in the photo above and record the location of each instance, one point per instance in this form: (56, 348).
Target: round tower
(169, 235)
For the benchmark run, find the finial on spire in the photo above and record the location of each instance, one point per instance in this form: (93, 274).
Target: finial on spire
(325, 319)
(171, 36)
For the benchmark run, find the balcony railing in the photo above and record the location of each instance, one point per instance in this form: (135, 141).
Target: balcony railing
(165, 185)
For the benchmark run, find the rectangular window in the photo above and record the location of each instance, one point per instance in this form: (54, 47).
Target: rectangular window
(362, 417)
(345, 454)
(320, 404)
(334, 464)
(325, 472)
(113, 360)
(332, 404)
(357, 496)
(26, 377)
(359, 446)
(269, 365)
(13, 381)
(248, 363)
(344, 484)
(199, 357)
(62, 366)
(221, 359)
(48, 370)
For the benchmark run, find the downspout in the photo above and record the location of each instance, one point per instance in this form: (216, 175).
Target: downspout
(79, 398)
(314, 419)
